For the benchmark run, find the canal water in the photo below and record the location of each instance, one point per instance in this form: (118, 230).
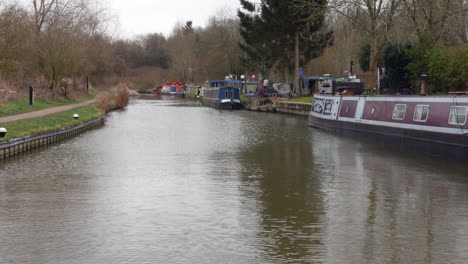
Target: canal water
(169, 181)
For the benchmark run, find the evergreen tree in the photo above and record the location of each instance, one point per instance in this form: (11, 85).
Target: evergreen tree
(283, 33)
(255, 40)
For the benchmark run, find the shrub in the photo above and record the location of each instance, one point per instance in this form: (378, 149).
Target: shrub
(116, 99)
(364, 57)
(395, 62)
(446, 67)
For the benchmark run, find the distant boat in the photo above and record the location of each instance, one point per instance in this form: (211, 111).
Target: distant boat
(158, 89)
(173, 88)
(224, 94)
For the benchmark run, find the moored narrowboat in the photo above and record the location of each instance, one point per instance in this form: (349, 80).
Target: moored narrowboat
(223, 95)
(431, 119)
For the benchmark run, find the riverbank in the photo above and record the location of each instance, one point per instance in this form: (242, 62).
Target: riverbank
(16, 107)
(296, 106)
(52, 122)
(57, 118)
(44, 112)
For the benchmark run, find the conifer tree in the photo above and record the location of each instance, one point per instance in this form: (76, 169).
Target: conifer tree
(279, 33)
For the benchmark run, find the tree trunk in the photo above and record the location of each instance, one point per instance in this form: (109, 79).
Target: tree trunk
(372, 77)
(284, 74)
(54, 82)
(296, 66)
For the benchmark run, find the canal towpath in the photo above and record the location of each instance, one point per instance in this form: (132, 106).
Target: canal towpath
(45, 112)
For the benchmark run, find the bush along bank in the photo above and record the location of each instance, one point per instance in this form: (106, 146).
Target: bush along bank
(115, 99)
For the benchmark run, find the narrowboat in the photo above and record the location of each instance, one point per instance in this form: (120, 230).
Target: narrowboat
(173, 88)
(158, 89)
(430, 119)
(223, 94)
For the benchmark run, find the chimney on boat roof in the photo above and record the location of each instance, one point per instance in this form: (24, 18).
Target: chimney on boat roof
(423, 78)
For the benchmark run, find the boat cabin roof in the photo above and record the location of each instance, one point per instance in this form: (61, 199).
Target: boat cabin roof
(226, 81)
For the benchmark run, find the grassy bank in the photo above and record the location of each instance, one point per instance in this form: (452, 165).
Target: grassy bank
(15, 107)
(53, 122)
(304, 99)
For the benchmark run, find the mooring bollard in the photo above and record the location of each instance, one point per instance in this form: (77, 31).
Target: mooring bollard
(3, 132)
(76, 116)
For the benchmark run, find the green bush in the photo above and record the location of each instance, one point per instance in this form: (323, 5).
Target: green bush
(445, 66)
(364, 57)
(395, 62)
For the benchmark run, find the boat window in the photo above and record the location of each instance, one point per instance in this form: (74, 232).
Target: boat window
(232, 94)
(421, 113)
(226, 94)
(399, 111)
(458, 115)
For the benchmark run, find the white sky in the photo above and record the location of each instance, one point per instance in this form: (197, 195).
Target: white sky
(149, 16)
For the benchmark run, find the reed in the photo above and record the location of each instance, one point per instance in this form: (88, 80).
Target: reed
(122, 98)
(116, 99)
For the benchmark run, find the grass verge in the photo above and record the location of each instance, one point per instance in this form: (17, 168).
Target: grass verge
(304, 99)
(53, 122)
(15, 107)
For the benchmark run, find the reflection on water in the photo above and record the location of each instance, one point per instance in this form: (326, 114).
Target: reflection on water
(167, 181)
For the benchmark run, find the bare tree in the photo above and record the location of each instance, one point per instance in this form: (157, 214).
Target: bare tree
(376, 18)
(431, 18)
(42, 12)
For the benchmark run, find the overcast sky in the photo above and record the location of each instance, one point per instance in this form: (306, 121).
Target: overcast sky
(149, 16)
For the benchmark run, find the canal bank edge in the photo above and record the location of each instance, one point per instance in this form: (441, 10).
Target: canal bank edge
(279, 106)
(272, 105)
(24, 144)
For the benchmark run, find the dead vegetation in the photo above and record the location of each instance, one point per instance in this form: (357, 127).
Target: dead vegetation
(116, 98)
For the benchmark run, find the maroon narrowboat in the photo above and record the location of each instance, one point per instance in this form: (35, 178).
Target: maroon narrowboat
(432, 119)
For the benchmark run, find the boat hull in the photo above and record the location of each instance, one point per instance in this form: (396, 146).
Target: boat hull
(215, 103)
(392, 134)
(173, 94)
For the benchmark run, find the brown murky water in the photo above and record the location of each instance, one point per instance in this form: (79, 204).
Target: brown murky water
(171, 182)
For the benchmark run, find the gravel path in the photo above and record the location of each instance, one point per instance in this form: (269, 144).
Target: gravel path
(44, 112)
